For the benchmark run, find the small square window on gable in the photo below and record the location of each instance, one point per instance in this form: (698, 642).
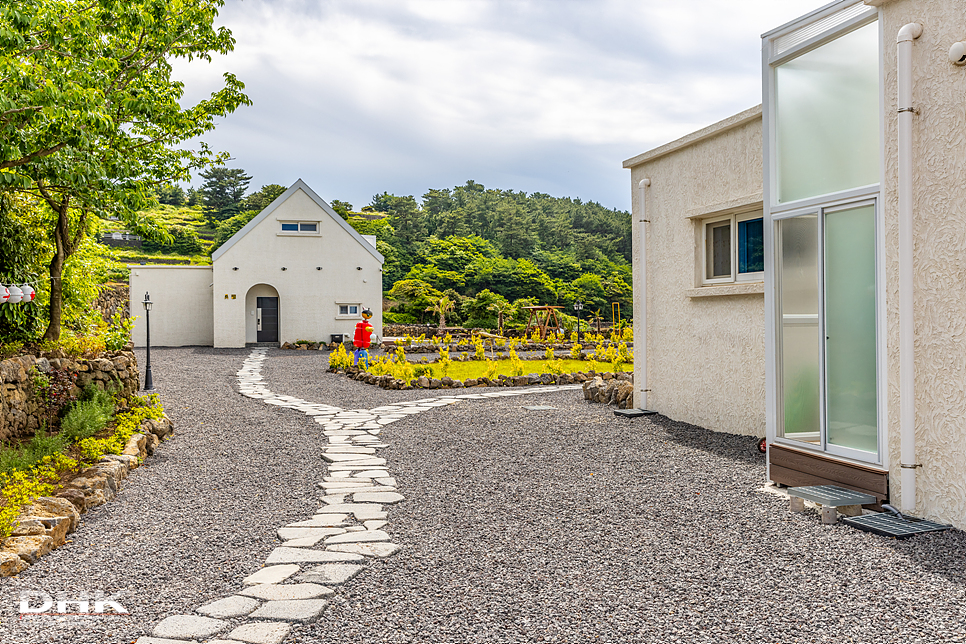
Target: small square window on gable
(732, 249)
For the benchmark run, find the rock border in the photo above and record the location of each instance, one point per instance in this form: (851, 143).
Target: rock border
(44, 524)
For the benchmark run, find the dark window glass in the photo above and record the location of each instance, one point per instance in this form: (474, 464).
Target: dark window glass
(308, 228)
(719, 250)
(290, 228)
(751, 246)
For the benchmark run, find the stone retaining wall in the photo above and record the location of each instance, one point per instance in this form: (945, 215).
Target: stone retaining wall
(22, 409)
(113, 297)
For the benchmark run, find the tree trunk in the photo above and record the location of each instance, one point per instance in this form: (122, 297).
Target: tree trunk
(62, 240)
(442, 321)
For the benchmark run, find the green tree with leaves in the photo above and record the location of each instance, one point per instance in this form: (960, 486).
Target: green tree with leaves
(261, 198)
(441, 307)
(222, 192)
(343, 208)
(91, 120)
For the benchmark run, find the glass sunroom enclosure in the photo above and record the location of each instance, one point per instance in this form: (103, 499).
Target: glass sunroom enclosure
(823, 233)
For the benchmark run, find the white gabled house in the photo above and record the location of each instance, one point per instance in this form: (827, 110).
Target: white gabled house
(297, 271)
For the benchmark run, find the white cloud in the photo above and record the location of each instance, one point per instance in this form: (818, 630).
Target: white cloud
(362, 96)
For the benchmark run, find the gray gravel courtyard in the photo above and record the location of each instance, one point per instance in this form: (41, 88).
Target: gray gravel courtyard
(566, 525)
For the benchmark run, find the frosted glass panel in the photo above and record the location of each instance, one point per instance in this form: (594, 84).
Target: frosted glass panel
(828, 117)
(800, 330)
(850, 357)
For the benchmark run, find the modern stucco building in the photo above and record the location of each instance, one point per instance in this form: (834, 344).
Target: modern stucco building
(852, 359)
(297, 271)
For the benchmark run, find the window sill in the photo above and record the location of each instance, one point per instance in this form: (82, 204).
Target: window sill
(747, 288)
(348, 317)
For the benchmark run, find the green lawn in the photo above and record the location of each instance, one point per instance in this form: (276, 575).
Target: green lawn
(477, 368)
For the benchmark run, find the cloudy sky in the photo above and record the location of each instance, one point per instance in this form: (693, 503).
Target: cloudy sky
(358, 97)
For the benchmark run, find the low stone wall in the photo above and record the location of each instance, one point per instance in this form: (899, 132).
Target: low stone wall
(22, 409)
(425, 382)
(611, 391)
(45, 523)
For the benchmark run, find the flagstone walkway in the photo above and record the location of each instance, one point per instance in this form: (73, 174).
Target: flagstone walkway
(332, 546)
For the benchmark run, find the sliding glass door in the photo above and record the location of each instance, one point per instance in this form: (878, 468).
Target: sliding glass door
(826, 278)
(850, 329)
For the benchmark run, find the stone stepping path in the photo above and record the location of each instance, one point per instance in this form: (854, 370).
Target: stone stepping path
(330, 547)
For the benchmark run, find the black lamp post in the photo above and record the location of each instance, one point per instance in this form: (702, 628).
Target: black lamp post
(148, 379)
(578, 307)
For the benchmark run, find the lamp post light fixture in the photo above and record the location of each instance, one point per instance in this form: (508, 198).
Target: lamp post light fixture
(148, 379)
(578, 307)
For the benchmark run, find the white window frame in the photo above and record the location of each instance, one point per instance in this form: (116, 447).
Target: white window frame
(299, 232)
(348, 316)
(735, 277)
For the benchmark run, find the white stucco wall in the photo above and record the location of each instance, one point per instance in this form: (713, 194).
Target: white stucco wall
(308, 298)
(939, 143)
(182, 311)
(706, 355)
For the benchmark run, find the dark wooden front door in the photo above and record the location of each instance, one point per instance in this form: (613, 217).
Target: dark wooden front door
(267, 319)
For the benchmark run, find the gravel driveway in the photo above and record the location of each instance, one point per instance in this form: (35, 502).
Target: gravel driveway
(565, 525)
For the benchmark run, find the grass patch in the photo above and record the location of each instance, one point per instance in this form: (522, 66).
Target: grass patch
(477, 368)
(28, 455)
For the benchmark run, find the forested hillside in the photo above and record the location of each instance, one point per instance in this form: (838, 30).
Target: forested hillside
(502, 244)
(487, 250)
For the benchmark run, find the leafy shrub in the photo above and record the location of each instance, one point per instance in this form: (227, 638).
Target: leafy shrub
(30, 454)
(339, 359)
(423, 370)
(10, 349)
(118, 335)
(548, 354)
(575, 351)
(19, 487)
(88, 416)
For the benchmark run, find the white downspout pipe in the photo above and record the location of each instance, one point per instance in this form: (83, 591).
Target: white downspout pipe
(907, 365)
(640, 344)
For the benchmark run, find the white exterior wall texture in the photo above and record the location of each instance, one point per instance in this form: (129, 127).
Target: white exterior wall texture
(308, 298)
(182, 311)
(939, 144)
(706, 355)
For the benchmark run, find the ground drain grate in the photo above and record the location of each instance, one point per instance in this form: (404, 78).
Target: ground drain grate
(633, 413)
(539, 407)
(888, 525)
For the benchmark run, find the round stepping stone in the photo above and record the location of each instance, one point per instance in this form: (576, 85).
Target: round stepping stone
(186, 627)
(233, 606)
(260, 633)
(276, 592)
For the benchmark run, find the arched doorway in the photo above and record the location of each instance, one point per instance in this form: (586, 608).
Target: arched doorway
(262, 314)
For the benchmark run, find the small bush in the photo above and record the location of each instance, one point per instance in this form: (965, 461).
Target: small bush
(30, 454)
(119, 333)
(86, 418)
